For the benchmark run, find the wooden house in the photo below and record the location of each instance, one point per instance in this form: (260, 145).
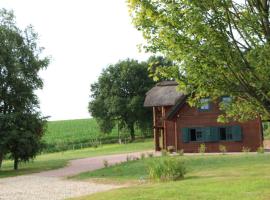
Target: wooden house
(180, 126)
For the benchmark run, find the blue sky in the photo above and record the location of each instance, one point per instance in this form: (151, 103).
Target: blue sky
(82, 37)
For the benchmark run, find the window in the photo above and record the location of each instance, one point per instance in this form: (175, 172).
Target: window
(195, 134)
(225, 133)
(211, 134)
(226, 100)
(205, 104)
(222, 133)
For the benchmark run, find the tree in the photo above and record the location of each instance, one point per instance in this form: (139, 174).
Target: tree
(21, 125)
(119, 95)
(221, 47)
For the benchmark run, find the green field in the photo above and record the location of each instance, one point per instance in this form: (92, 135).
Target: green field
(70, 134)
(56, 160)
(223, 177)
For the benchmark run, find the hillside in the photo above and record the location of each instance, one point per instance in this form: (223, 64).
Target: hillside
(78, 133)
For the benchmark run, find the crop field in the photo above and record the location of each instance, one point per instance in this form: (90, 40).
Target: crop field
(79, 133)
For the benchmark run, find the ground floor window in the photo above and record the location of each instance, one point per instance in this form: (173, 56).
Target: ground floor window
(212, 134)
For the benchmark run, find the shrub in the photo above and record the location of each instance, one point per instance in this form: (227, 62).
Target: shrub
(180, 152)
(164, 152)
(167, 169)
(202, 148)
(106, 163)
(136, 158)
(142, 156)
(260, 150)
(128, 158)
(171, 149)
(245, 149)
(222, 149)
(150, 155)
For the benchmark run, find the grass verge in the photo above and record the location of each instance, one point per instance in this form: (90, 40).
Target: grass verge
(56, 160)
(223, 177)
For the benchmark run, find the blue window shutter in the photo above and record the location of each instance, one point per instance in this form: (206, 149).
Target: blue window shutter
(214, 134)
(236, 133)
(185, 135)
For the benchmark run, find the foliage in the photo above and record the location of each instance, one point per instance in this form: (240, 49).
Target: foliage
(171, 149)
(222, 149)
(260, 150)
(220, 48)
(180, 152)
(167, 169)
(150, 155)
(142, 156)
(202, 148)
(245, 149)
(106, 163)
(118, 97)
(20, 62)
(164, 152)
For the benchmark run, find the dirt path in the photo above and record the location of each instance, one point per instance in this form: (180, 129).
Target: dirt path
(52, 185)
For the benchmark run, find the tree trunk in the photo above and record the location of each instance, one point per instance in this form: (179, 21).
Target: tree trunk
(16, 163)
(132, 132)
(1, 159)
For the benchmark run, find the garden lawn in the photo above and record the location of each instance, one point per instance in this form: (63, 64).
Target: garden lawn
(223, 177)
(56, 160)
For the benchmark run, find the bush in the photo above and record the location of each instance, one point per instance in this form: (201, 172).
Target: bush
(171, 149)
(222, 149)
(180, 152)
(164, 152)
(202, 148)
(106, 163)
(260, 150)
(128, 158)
(150, 155)
(167, 169)
(245, 149)
(142, 156)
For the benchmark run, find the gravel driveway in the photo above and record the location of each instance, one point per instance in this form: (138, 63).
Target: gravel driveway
(52, 185)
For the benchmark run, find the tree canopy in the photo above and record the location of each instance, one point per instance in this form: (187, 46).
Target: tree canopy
(118, 95)
(221, 47)
(21, 124)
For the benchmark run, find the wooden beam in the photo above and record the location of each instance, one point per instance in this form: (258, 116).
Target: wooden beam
(176, 135)
(164, 129)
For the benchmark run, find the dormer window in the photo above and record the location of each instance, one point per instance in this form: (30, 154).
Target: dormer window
(226, 100)
(204, 104)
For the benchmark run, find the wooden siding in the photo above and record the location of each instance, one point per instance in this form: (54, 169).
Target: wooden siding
(188, 117)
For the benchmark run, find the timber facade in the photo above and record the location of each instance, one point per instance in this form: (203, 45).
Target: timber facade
(177, 125)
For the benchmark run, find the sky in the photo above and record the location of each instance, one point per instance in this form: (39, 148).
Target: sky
(82, 37)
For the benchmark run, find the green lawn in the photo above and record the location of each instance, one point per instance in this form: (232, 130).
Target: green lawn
(223, 177)
(55, 160)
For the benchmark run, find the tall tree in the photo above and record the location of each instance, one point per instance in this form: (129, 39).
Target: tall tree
(21, 125)
(221, 47)
(119, 95)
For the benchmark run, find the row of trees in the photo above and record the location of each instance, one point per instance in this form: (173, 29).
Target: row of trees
(21, 124)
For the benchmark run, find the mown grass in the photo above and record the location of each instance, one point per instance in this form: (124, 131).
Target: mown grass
(56, 160)
(209, 178)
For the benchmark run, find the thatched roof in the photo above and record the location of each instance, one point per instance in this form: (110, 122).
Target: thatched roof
(163, 94)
